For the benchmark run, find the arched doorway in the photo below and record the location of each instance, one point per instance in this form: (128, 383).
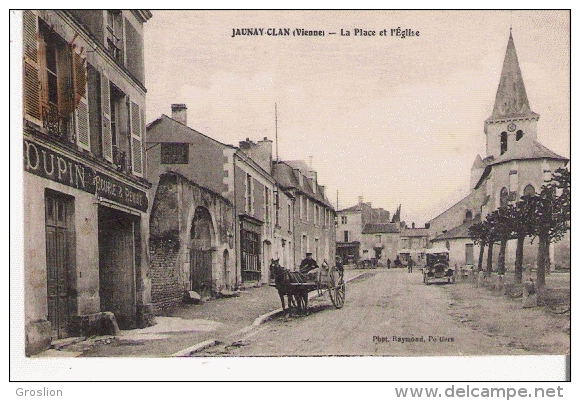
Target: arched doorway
(225, 271)
(201, 252)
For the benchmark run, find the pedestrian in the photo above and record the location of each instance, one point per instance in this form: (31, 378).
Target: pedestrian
(410, 265)
(339, 267)
(388, 263)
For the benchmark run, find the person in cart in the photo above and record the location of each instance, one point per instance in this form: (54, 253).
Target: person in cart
(308, 267)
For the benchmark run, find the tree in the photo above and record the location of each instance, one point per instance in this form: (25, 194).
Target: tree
(502, 221)
(551, 217)
(523, 216)
(479, 235)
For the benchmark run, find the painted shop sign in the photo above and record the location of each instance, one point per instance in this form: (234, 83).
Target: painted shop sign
(51, 165)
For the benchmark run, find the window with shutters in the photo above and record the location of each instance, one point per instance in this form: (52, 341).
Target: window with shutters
(120, 128)
(56, 86)
(115, 34)
(55, 83)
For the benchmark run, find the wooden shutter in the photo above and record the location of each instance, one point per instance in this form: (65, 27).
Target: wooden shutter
(31, 90)
(106, 117)
(136, 140)
(81, 102)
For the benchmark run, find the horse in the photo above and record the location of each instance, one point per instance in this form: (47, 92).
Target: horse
(283, 280)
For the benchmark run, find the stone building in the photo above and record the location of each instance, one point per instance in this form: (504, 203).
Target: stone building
(350, 226)
(86, 226)
(381, 241)
(413, 243)
(515, 164)
(308, 210)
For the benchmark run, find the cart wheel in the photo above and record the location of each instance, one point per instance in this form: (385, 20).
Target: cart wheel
(336, 288)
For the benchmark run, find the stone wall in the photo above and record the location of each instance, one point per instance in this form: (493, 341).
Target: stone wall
(166, 287)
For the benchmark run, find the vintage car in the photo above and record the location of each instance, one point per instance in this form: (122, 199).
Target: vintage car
(437, 266)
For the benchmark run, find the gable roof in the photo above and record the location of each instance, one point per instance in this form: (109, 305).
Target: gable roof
(414, 232)
(287, 178)
(381, 228)
(174, 131)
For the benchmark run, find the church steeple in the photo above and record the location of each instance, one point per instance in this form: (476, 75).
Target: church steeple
(512, 117)
(511, 99)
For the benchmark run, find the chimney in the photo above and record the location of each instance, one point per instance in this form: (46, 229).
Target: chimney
(360, 200)
(179, 112)
(413, 225)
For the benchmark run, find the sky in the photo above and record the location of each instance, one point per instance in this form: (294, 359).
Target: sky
(397, 121)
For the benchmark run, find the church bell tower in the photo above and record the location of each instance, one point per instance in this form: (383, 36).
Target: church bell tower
(511, 118)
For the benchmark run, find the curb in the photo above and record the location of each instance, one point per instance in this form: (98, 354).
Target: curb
(258, 321)
(195, 348)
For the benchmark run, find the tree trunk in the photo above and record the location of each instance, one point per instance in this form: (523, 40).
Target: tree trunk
(519, 260)
(480, 261)
(501, 257)
(543, 259)
(489, 258)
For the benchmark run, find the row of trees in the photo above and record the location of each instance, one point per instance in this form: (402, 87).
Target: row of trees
(544, 215)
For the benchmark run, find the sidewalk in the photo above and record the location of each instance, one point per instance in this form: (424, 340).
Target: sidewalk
(183, 326)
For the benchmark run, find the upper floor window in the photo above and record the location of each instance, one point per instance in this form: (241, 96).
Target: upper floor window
(266, 205)
(249, 194)
(289, 216)
(468, 215)
(115, 34)
(503, 143)
(345, 235)
(343, 219)
(174, 153)
(519, 134)
(316, 215)
(503, 197)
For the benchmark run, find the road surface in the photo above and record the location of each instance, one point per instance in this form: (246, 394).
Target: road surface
(388, 313)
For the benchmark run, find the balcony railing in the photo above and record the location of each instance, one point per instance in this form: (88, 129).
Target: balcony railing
(54, 122)
(120, 160)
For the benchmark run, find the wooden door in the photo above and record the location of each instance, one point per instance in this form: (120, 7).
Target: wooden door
(58, 218)
(117, 266)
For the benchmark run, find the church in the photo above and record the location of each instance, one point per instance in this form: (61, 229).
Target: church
(515, 164)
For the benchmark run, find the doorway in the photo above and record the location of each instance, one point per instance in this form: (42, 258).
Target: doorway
(59, 218)
(200, 274)
(117, 266)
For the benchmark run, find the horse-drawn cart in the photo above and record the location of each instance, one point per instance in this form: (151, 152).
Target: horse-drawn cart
(297, 286)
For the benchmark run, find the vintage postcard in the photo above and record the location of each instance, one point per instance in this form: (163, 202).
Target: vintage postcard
(208, 185)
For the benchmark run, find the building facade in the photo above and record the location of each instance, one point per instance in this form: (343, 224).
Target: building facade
(515, 164)
(311, 214)
(357, 228)
(413, 243)
(86, 226)
(192, 216)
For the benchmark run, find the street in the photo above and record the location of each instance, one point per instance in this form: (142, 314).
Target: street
(392, 313)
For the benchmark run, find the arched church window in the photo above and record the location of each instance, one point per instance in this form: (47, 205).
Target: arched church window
(529, 190)
(503, 197)
(504, 143)
(519, 134)
(468, 215)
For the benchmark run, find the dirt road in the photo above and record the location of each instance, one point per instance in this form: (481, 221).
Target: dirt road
(391, 312)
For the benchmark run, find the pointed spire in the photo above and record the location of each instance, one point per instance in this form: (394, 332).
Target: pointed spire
(511, 99)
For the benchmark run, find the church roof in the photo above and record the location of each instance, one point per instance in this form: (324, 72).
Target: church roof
(511, 100)
(527, 149)
(461, 231)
